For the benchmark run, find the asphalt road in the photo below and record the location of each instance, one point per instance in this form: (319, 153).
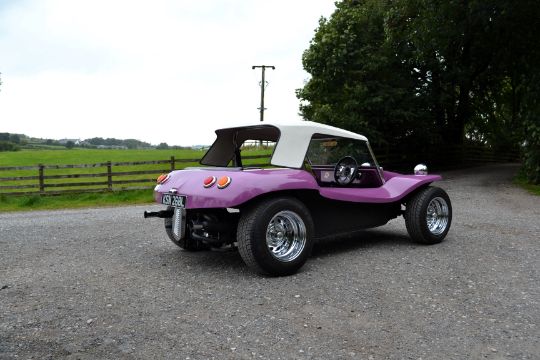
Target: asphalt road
(107, 284)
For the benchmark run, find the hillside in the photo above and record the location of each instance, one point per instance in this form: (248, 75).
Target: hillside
(15, 142)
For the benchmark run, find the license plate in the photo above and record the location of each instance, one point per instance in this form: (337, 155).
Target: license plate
(178, 201)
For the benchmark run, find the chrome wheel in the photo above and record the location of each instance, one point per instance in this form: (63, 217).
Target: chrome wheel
(286, 235)
(437, 216)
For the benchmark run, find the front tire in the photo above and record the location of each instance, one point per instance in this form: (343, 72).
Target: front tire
(428, 215)
(275, 237)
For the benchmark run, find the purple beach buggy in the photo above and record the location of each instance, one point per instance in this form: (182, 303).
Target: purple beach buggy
(323, 182)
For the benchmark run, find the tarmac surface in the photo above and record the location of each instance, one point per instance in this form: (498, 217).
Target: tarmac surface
(107, 284)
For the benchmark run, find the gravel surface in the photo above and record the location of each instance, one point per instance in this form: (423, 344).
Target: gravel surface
(107, 284)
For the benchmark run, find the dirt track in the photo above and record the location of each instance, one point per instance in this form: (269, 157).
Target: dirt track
(104, 283)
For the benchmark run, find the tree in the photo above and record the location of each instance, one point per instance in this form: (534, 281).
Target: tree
(356, 81)
(8, 146)
(14, 138)
(531, 143)
(162, 146)
(70, 144)
(426, 72)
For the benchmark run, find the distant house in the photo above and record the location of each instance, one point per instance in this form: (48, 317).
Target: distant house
(200, 147)
(77, 142)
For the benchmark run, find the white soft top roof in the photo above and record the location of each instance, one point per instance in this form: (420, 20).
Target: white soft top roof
(292, 141)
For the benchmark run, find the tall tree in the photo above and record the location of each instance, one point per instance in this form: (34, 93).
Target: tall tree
(425, 71)
(357, 81)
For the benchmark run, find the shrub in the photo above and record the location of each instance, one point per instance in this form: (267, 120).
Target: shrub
(8, 146)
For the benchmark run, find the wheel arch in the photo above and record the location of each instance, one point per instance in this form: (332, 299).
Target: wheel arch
(304, 195)
(404, 200)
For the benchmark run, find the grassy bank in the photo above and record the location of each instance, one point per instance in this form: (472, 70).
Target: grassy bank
(36, 202)
(522, 181)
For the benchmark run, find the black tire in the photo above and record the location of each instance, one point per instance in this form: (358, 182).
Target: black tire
(421, 229)
(252, 235)
(186, 243)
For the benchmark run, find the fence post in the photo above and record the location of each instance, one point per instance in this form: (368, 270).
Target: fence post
(172, 163)
(41, 178)
(109, 175)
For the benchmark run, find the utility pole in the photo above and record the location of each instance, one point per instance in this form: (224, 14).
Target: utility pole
(263, 85)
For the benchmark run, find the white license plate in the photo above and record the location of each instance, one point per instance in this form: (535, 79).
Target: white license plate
(178, 201)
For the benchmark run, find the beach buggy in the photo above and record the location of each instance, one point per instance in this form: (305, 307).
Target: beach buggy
(322, 182)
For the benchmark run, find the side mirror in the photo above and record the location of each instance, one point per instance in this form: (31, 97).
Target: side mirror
(420, 169)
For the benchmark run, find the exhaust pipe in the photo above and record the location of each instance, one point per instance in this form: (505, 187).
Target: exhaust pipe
(159, 214)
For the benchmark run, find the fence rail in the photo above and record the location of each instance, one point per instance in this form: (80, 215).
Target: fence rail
(115, 176)
(97, 177)
(445, 157)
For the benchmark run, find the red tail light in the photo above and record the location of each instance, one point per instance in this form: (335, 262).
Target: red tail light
(209, 181)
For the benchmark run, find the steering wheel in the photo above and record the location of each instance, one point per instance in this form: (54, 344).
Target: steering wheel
(345, 170)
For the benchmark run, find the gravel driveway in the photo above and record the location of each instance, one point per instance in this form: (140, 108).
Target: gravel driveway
(107, 284)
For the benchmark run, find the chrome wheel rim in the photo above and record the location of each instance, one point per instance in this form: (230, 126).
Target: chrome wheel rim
(286, 236)
(437, 216)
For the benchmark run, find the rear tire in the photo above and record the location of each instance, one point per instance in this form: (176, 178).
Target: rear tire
(275, 236)
(428, 215)
(186, 243)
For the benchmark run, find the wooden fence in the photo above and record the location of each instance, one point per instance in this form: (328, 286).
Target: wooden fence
(444, 158)
(116, 176)
(98, 177)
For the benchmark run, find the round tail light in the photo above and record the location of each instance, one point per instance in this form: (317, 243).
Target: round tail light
(209, 181)
(163, 178)
(223, 182)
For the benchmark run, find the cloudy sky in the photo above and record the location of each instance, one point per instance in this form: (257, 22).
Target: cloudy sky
(159, 71)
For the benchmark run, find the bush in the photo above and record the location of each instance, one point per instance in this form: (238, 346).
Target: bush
(531, 131)
(531, 152)
(8, 146)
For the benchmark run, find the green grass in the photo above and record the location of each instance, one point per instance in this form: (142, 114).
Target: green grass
(90, 156)
(36, 202)
(521, 180)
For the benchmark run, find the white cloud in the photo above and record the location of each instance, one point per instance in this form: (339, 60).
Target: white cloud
(158, 71)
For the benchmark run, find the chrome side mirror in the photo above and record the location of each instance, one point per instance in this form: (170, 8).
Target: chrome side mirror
(420, 169)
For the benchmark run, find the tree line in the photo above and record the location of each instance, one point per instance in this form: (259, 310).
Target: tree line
(9, 142)
(14, 142)
(416, 75)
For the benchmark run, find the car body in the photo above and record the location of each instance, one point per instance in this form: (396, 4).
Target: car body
(323, 182)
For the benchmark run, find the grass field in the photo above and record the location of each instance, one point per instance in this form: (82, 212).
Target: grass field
(89, 156)
(37, 202)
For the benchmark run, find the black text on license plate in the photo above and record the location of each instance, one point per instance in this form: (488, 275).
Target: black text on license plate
(173, 200)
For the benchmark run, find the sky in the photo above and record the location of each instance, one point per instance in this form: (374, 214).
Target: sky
(159, 71)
